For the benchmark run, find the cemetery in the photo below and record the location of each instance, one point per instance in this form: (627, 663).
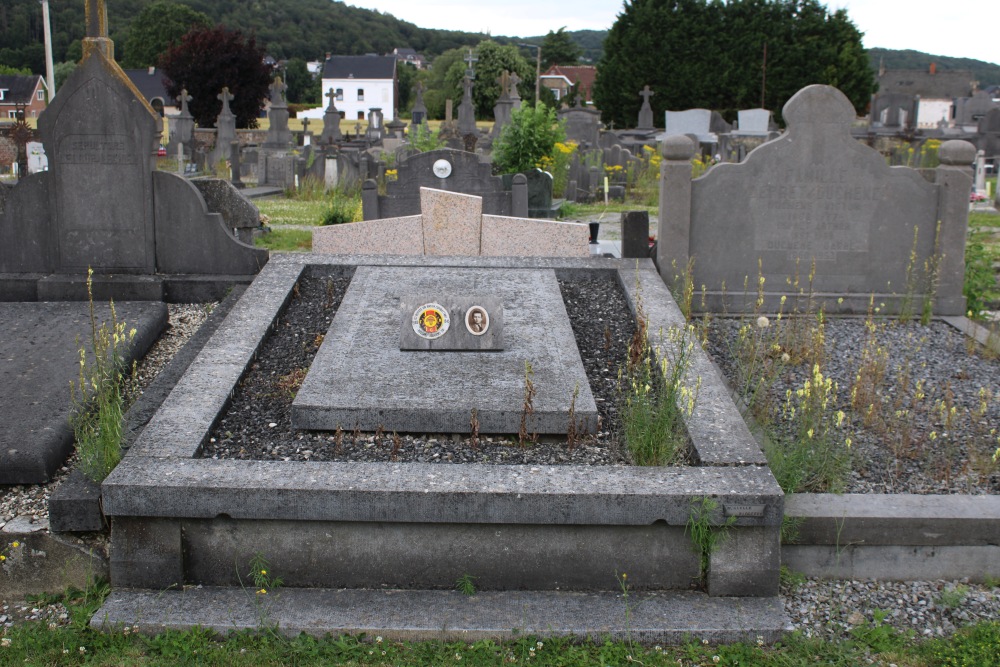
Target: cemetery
(461, 416)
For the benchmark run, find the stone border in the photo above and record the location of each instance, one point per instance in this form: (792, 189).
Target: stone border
(161, 487)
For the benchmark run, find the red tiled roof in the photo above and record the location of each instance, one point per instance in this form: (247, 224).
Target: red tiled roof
(580, 75)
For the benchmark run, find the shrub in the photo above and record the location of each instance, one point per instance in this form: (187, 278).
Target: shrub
(531, 135)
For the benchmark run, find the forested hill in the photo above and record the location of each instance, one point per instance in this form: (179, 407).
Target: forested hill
(304, 29)
(987, 74)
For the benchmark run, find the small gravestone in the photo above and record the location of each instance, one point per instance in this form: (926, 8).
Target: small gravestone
(646, 112)
(418, 115)
(225, 129)
(635, 234)
(331, 121)
(755, 122)
(696, 122)
(467, 111)
(278, 134)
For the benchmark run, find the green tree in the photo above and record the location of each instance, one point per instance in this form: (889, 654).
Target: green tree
(406, 79)
(710, 54)
(531, 135)
(237, 62)
(7, 69)
(558, 48)
(438, 87)
(303, 87)
(494, 60)
(158, 27)
(61, 72)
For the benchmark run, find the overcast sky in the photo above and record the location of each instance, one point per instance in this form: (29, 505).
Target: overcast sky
(959, 28)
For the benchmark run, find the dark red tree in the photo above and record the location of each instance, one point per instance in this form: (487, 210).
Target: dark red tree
(208, 59)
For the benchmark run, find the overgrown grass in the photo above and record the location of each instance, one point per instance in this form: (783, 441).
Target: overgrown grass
(286, 240)
(35, 643)
(982, 252)
(99, 393)
(293, 211)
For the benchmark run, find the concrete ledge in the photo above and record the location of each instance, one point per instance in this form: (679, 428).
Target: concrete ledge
(898, 537)
(665, 618)
(895, 519)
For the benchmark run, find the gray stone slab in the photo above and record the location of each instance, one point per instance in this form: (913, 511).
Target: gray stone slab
(893, 563)
(75, 505)
(895, 519)
(426, 492)
(360, 378)
(39, 356)
(475, 324)
(398, 615)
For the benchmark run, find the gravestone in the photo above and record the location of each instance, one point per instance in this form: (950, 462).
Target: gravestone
(225, 129)
(515, 94)
(37, 160)
(635, 234)
(695, 122)
(816, 195)
(101, 205)
(754, 122)
(646, 112)
(278, 135)
(467, 111)
(539, 193)
(375, 130)
(356, 377)
(502, 109)
(583, 125)
(418, 115)
(331, 121)
(893, 112)
(182, 130)
(442, 169)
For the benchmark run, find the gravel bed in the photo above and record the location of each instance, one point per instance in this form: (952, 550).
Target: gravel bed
(257, 424)
(919, 452)
(831, 609)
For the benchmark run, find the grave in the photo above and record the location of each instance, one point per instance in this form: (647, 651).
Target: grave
(583, 125)
(816, 195)
(454, 224)
(355, 380)
(41, 358)
(442, 169)
(546, 532)
(694, 122)
(147, 234)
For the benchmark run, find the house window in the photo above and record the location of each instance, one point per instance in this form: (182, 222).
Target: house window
(41, 95)
(11, 114)
(361, 115)
(3, 93)
(343, 115)
(361, 94)
(340, 94)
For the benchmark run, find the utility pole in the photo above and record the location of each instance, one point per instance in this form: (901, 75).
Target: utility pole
(50, 77)
(538, 69)
(763, 78)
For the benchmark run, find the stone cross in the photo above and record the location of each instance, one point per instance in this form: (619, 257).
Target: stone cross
(504, 81)
(226, 98)
(467, 87)
(332, 94)
(646, 93)
(514, 81)
(277, 89)
(470, 59)
(184, 99)
(305, 125)
(97, 19)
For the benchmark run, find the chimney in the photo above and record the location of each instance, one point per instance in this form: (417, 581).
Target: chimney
(152, 71)
(933, 68)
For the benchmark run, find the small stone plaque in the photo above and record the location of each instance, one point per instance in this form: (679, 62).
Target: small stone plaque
(453, 323)
(755, 511)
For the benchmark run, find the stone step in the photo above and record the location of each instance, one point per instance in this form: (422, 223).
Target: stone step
(415, 615)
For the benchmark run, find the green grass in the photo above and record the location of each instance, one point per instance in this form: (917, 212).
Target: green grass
(286, 240)
(284, 211)
(34, 643)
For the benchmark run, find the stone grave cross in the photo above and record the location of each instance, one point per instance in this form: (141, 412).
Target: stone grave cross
(97, 19)
(646, 112)
(504, 81)
(305, 125)
(514, 80)
(470, 59)
(332, 94)
(184, 98)
(278, 89)
(226, 98)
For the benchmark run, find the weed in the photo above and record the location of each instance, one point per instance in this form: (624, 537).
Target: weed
(265, 584)
(466, 585)
(292, 381)
(397, 443)
(879, 636)
(790, 578)
(952, 598)
(98, 395)
(474, 429)
(622, 580)
(705, 535)
(529, 408)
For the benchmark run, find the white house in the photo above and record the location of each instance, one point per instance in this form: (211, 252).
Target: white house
(361, 83)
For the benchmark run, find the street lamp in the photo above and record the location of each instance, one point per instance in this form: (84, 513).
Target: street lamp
(538, 68)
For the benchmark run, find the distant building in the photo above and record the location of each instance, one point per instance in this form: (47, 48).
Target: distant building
(560, 78)
(409, 56)
(18, 89)
(362, 83)
(149, 82)
(937, 89)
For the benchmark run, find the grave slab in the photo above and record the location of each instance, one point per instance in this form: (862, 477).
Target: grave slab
(38, 358)
(361, 379)
(404, 615)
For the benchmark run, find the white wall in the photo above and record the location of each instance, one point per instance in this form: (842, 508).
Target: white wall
(378, 95)
(930, 112)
